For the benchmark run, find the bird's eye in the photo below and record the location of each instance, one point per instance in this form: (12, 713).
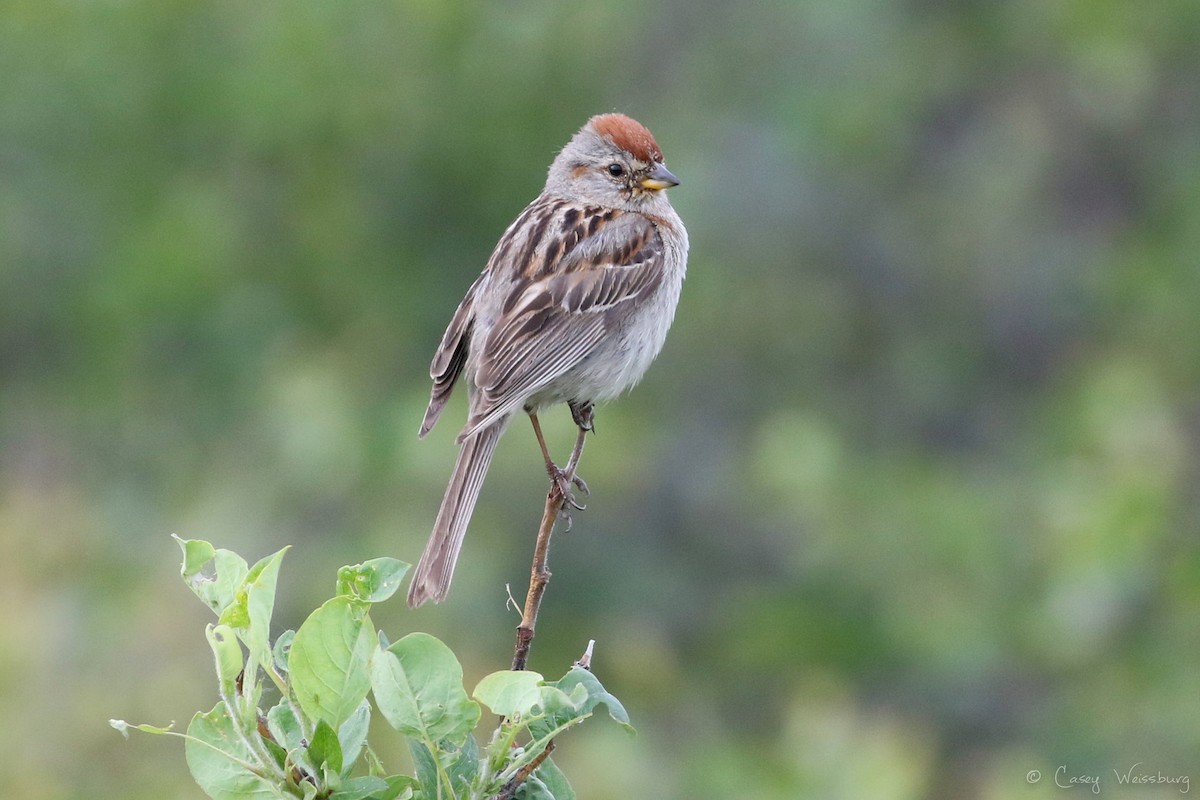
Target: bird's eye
(616, 170)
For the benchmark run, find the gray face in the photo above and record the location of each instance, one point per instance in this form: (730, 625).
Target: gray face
(593, 169)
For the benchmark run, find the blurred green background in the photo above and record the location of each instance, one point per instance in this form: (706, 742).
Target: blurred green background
(906, 509)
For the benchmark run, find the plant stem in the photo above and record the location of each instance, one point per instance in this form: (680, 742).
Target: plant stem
(509, 790)
(556, 498)
(538, 578)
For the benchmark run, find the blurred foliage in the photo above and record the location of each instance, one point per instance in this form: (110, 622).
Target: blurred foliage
(906, 508)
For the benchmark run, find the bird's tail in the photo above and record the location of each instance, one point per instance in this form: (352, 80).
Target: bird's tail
(431, 581)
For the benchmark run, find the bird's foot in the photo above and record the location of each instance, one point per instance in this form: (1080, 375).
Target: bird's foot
(584, 415)
(564, 485)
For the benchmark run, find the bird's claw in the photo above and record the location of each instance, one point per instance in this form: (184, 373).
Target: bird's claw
(584, 415)
(565, 485)
(581, 486)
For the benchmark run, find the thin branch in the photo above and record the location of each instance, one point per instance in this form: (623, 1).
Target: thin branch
(557, 499)
(538, 578)
(509, 789)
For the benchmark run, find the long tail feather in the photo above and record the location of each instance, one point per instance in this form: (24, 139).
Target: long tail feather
(431, 581)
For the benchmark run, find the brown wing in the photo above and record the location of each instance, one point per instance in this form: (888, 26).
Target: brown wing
(560, 310)
(450, 357)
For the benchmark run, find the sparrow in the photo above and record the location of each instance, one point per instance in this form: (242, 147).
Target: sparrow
(574, 304)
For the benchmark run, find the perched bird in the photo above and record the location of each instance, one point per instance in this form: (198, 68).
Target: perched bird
(573, 305)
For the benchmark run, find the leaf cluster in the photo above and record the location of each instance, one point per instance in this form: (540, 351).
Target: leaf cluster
(310, 740)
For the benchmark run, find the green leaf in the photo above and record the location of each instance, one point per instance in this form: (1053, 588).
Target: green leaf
(554, 781)
(228, 656)
(510, 693)
(368, 786)
(124, 727)
(325, 749)
(556, 702)
(219, 760)
(196, 553)
(329, 660)
(418, 688)
(284, 727)
(353, 735)
(581, 685)
(216, 586)
(283, 646)
(253, 604)
(300, 760)
(534, 788)
(372, 581)
(465, 768)
(260, 589)
(426, 769)
(397, 784)
(278, 754)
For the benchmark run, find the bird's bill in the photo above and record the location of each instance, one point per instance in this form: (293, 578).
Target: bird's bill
(659, 178)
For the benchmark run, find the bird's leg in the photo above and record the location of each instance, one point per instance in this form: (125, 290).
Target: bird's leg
(583, 415)
(562, 478)
(551, 468)
(568, 475)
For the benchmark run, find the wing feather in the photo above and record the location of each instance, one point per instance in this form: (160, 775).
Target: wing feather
(450, 358)
(559, 311)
